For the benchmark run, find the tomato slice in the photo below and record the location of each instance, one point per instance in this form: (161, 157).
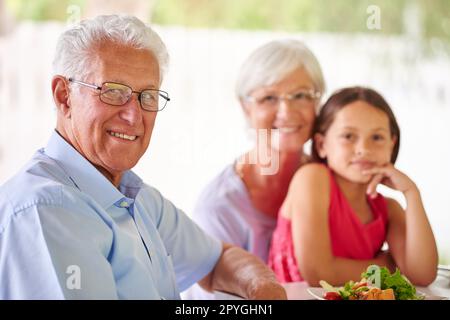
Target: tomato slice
(330, 295)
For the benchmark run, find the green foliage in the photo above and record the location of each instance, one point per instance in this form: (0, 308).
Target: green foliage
(287, 15)
(42, 9)
(302, 15)
(444, 258)
(437, 18)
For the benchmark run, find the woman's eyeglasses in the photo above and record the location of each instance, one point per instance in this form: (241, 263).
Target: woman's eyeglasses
(299, 98)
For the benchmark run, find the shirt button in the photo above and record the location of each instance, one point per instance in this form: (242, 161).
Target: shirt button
(124, 204)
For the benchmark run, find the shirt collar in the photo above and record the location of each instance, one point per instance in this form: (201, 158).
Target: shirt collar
(86, 177)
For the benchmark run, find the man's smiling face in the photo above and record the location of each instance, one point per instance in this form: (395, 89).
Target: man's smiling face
(113, 138)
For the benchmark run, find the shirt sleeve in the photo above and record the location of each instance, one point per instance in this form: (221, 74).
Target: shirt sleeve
(194, 253)
(26, 268)
(79, 245)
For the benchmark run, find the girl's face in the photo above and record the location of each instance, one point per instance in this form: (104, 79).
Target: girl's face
(358, 139)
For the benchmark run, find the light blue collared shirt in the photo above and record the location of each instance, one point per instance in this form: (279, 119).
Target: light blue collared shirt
(67, 233)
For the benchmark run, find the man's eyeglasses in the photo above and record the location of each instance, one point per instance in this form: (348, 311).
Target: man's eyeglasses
(299, 98)
(118, 94)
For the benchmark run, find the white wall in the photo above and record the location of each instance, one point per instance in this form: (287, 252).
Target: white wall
(202, 128)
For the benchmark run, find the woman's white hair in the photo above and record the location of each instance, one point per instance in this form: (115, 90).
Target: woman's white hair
(75, 45)
(275, 60)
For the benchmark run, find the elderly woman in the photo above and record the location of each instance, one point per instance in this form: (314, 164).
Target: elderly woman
(279, 88)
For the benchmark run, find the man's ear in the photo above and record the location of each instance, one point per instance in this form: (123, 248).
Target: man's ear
(60, 89)
(319, 140)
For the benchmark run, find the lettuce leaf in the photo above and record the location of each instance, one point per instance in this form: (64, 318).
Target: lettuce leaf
(403, 289)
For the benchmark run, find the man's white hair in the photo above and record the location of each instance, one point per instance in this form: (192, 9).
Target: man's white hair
(274, 61)
(75, 45)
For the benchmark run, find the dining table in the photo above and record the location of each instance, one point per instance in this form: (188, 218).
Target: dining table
(438, 290)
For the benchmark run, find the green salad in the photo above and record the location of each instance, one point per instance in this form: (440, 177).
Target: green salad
(403, 288)
(376, 283)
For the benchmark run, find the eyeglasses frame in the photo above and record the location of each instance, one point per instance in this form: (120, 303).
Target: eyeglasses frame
(314, 95)
(96, 87)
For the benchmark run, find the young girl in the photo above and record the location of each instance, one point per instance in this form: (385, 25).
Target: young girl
(333, 222)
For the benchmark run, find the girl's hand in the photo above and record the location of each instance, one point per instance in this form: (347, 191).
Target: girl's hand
(390, 177)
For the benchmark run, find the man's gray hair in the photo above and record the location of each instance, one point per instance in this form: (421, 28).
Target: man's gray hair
(274, 61)
(75, 45)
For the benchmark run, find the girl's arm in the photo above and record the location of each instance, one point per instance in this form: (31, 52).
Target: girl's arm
(308, 203)
(410, 237)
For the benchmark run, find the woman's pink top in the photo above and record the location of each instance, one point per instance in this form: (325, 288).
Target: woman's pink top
(350, 238)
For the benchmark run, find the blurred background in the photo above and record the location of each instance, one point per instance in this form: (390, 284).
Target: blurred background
(400, 48)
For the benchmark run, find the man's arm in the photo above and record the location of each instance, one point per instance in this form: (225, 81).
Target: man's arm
(26, 269)
(243, 274)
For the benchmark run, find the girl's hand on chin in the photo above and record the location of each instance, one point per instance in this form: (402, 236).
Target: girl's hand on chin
(390, 177)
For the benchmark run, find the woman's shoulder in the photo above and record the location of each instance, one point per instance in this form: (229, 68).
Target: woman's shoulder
(224, 192)
(224, 183)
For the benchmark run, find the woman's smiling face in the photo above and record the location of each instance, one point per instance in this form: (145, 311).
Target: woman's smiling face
(286, 107)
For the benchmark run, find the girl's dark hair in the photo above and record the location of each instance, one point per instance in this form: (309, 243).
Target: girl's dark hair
(342, 98)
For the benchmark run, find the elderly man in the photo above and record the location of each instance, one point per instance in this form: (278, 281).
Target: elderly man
(75, 222)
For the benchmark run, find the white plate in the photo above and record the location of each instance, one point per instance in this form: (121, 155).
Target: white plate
(318, 293)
